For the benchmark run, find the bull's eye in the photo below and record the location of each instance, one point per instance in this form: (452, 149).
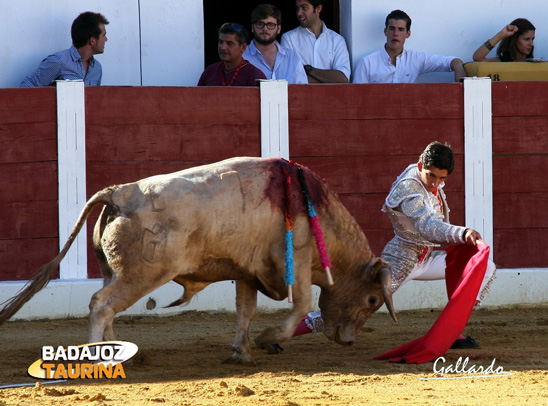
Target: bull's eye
(372, 300)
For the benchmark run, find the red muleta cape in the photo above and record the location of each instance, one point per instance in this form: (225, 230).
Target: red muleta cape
(465, 270)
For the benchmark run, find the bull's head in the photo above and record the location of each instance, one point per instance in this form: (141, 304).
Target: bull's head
(348, 303)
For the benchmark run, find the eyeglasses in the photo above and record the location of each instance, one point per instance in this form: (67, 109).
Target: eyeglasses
(260, 25)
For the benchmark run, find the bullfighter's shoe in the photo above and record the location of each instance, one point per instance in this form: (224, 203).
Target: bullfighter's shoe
(465, 343)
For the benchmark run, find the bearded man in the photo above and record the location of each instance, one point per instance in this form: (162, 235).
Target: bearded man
(266, 53)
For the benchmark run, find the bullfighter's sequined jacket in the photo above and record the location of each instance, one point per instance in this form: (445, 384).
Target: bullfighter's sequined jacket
(421, 223)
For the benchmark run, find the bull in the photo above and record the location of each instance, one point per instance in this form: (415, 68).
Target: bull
(226, 221)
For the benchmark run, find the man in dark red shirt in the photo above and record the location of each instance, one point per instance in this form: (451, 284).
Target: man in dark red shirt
(233, 70)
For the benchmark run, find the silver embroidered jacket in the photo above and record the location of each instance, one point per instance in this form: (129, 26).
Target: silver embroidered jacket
(418, 223)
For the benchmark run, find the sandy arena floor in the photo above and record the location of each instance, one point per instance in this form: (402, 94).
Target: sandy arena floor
(180, 362)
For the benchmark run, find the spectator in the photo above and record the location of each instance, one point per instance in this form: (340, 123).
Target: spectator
(393, 64)
(233, 70)
(76, 63)
(322, 51)
(516, 43)
(266, 53)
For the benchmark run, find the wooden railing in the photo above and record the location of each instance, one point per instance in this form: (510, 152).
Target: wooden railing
(358, 137)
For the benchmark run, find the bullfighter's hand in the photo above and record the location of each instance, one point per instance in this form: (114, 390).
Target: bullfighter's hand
(471, 236)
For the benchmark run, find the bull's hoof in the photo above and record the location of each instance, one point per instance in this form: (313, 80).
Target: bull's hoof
(269, 336)
(242, 356)
(269, 339)
(270, 348)
(238, 359)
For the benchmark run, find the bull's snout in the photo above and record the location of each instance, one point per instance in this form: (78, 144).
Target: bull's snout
(343, 339)
(345, 343)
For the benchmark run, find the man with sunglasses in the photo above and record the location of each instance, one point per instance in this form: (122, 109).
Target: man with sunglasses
(266, 53)
(323, 52)
(233, 70)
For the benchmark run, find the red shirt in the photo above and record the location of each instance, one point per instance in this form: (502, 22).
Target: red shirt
(247, 76)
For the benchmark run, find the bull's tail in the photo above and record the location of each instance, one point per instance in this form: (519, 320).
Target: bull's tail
(41, 279)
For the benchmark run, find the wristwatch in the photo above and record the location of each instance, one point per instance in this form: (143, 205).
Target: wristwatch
(308, 68)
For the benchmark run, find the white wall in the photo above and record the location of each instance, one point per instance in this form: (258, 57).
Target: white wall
(163, 37)
(172, 42)
(160, 42)
(444, 27)
(70, 298)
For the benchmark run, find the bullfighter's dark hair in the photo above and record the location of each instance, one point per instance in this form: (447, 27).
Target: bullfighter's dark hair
(438, 155)
(86, 26)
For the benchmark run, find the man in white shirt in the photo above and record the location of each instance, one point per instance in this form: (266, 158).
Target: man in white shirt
(266, 53)
(322, 51)
(393, 64)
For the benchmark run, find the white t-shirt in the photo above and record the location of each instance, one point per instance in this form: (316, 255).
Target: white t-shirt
(328, 51)
(377, 68)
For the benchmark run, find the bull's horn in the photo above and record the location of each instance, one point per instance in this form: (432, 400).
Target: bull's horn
(386, 283)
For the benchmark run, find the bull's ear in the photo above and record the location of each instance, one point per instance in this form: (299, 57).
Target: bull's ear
(376, 267)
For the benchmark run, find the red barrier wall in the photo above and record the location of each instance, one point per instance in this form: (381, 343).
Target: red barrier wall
(28, 187)
(520, 185)
(358, 137)
(361, 137)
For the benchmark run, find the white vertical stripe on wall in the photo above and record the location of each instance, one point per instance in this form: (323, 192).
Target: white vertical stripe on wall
(478, 156)
(71, 146)
(274, 119)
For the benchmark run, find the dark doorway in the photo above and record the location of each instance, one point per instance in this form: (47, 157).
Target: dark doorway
(217, 12)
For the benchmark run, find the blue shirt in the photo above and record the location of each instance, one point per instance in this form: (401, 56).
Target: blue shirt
(64, 65)
(287, 65)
